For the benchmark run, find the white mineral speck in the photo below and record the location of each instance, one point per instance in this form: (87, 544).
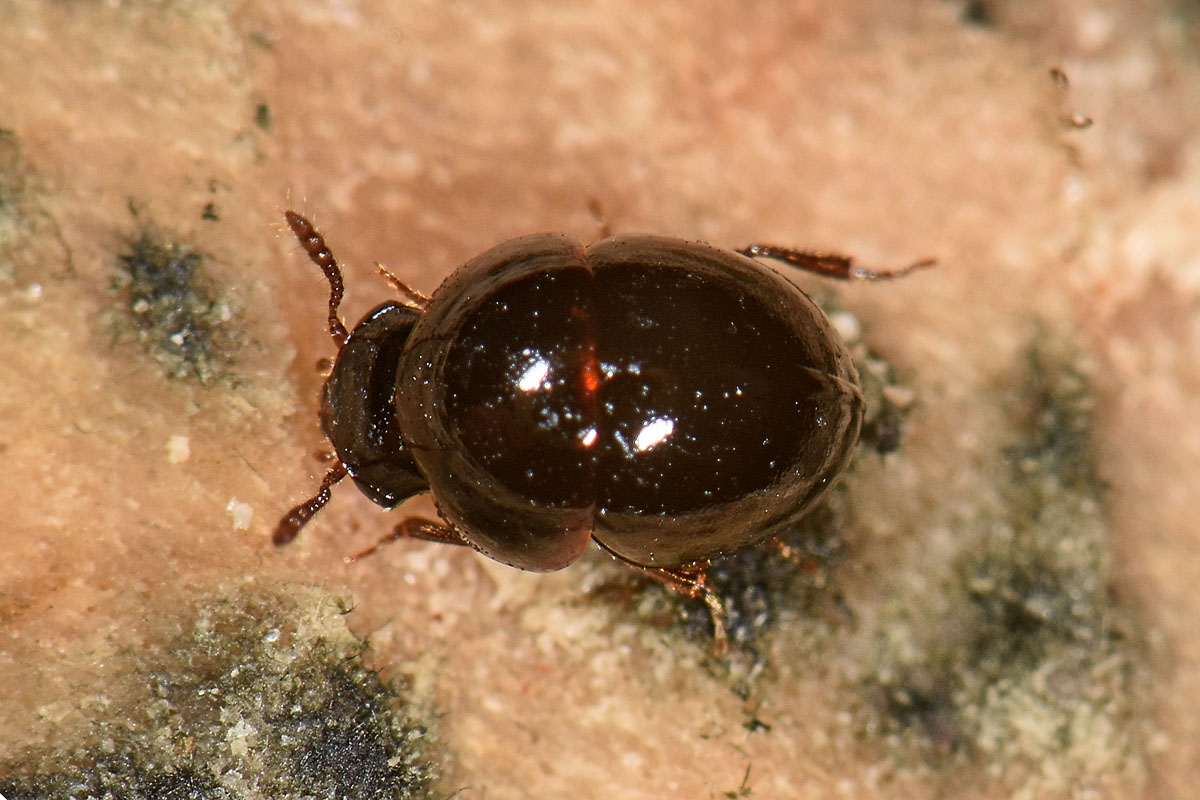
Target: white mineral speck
(178, 449)
(241, 512)
(847, 325)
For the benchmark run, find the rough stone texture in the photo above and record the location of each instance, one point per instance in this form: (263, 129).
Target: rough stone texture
(251, 692)
(420, 134)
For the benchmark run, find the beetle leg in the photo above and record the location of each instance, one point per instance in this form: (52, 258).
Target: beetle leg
(831, 265)
(420, 528)
(298, 517)
(693, 582)
(411, 296)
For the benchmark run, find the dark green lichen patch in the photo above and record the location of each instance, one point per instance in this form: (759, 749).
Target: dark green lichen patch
(11, 190)
(888, 401)
(172, 307)
(1055, 407)
(1188, 12)
(15, 217)
(113, 775)
(266, 696)
(33, 250)
(1015, 658)
(980, 13)
(12, 172)
(263, 118)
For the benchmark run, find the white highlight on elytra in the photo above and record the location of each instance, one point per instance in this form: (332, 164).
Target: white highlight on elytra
(653, 433)
(534, 376)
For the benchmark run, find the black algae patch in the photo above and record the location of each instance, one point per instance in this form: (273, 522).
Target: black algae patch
(171, 305)
(117, 776)
(264, 698)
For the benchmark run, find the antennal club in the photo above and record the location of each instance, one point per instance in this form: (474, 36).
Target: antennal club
(289, 527)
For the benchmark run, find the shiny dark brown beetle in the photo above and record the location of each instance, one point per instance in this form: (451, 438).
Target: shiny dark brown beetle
(669, 400)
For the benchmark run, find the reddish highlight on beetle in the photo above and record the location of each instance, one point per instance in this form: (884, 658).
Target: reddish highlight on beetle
(590, 377)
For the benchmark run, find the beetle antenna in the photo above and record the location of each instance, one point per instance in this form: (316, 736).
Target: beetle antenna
(314, 244)
(289, 527)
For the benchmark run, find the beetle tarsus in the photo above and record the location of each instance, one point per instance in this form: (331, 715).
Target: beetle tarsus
(830, 265)
(716, 610)
(693, 582)
(420, 528)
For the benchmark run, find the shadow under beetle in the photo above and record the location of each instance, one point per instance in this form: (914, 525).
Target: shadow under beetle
(671, 401)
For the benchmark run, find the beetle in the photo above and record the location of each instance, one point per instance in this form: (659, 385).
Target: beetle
(668, 400)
